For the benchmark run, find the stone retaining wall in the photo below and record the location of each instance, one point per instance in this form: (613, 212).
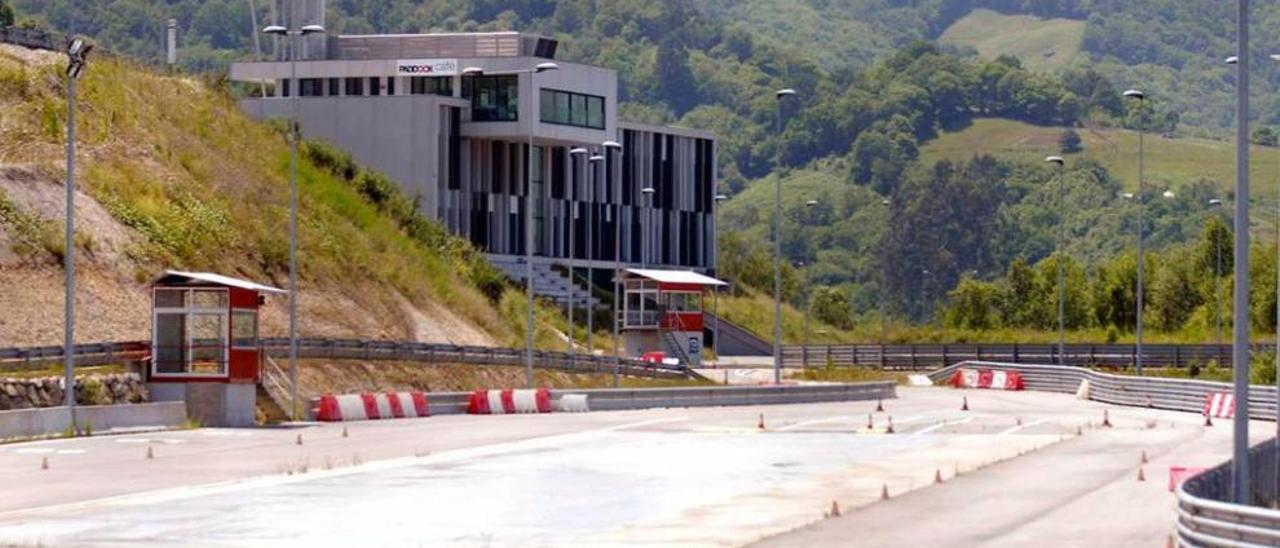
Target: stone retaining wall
(90, 390)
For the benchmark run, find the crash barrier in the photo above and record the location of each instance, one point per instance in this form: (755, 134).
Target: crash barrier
(359, 407)
(352, 349)
(1208, 517)
(929, 356)
(506, 402)
(611, 399)
(1220, 405)
(45, 421)
(1158, 393)
(573, 403)
(986, 378)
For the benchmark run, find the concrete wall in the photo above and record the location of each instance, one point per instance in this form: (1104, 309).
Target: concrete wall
(211, 403)
(25, 423)
(398, 135)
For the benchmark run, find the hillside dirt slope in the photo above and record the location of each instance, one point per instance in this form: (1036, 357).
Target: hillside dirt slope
(170, 175)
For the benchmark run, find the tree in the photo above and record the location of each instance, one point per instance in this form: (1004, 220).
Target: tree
(674, 76)
(974, 305)
(1069, 142)
(1265, 136)
(830, 305)
(6, 14)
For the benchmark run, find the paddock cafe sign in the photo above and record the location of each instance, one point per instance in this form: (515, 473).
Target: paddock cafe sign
(426, 67)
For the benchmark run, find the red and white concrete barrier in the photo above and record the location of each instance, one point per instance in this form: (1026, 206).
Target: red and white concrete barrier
(359, 407)
(1220, 405)
(986, 378)
(506, 402)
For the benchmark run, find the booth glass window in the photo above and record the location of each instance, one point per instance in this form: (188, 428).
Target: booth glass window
(493, 98)
(244, 329)
(684, 302)
(191, 331)
(572, 109)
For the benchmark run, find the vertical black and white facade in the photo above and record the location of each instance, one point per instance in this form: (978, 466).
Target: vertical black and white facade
(459, 145)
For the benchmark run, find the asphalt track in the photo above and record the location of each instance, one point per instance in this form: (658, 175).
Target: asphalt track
(690, 477)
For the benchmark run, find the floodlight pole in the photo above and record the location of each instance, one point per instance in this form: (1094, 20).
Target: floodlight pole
(1240, 347)
(779, 96)
(68, 255)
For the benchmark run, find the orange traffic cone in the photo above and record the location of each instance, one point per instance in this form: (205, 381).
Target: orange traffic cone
(1106, 419)
(760, 424)
(44, 463)
(299, 440)
(1207, 421)
(889, 429)
(1141, 475)
(937, 476)
(835, 510)
(965, 406)
(1019, 422)
(150, 454)
(1079, 430)
(870, 424)
(879, 406)
(1144, 457)
(344, 432)
(884, 492)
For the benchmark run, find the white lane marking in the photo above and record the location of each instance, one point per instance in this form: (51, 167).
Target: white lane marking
(1021, 426)
(812, 422)
(36, 450)
(943, 425)
(465, 455)
(134, 440)
(70, 452)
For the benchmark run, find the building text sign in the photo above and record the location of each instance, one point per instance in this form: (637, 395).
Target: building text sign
(427, 67)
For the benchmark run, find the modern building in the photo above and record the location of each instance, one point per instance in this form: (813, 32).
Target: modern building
(459, 144)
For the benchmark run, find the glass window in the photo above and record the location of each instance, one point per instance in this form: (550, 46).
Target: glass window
(310, 87)
(579, 109)
(547, 105)
(355, 86)
(391, 85)
(170, 353)
(493, 98)
(208, 343)
(595, 112)
(562, 108)
(335, 87)
(433, 85)
(209, 299)
(284, 88)
(171, 298)
(374, 86)
(244, 328)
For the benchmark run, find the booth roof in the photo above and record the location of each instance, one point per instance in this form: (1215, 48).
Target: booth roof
(218, 279)
(675, 276)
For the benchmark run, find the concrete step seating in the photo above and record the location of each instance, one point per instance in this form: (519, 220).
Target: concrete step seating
(548, 282)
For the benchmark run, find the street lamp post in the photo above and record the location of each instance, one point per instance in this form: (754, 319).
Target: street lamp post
(574, 154)
(295, 135)
(715, 291)
(592, 162)
(77, 57)
(808, 296)
(528, 210)
(1217, 288)
(1240, 345)
(617, 255)
(1141, 98)
(780, 96)
(1062, 298)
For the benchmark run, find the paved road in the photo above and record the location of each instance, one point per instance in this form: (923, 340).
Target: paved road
(704, 477)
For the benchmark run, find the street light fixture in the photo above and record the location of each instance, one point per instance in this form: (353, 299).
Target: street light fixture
(610, 146)
(77, 60)
(295, 135)
(1141, 98)
(574, 153)
(1062, 296)
(780, 96)
(528, 211)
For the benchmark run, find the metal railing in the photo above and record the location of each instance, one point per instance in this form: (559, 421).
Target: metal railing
(1206, 518)
(1153, 392)
(353, 349)
(929, 356)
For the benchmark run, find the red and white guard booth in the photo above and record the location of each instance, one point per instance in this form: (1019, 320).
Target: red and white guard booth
(662, 312)
(204, 345)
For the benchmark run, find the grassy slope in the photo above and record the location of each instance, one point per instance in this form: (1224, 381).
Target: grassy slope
(1023, 36)
(204, 187)
(1169, 162)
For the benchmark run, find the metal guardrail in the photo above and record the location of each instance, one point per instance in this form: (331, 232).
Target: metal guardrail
(1154, 392)
(610, 399)
(928, 356)
(1205, 518)
(135, 351)
(33, 38)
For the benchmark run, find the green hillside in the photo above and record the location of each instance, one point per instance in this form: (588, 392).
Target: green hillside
(1041, 44)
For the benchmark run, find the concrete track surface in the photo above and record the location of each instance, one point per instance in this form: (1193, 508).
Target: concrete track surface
(687, 477)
